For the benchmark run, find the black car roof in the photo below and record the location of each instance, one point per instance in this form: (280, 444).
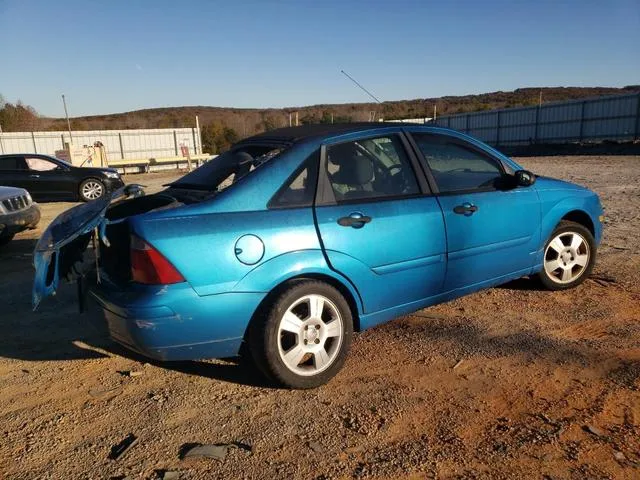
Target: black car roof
(23, 154)
(303, 132)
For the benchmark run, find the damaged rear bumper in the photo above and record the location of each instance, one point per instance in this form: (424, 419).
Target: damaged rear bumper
(16, 222)
(173, 322)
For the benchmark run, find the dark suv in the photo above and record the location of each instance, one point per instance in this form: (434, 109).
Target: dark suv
(49, 178)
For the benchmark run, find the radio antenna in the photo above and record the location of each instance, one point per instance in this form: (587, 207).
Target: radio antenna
(360, 86)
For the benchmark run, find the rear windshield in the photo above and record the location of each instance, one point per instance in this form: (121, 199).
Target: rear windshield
(226, 169)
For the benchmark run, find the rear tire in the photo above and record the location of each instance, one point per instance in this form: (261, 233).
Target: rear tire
(91, 189)
(303, 337)
(569, 256)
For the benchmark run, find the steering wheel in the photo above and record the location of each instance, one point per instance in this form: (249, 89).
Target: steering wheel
(394, 167)
(394, 178)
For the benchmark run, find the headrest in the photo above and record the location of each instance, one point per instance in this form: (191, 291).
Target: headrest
(354, 171)
(342, 152)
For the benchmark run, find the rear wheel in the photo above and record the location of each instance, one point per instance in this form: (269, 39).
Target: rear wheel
(569, 256)
(91, 189)
(303, 340)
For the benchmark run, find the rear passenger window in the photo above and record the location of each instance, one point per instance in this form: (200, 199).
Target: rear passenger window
(370, 168)
(300, 190)
(12, 163)
(455, 166)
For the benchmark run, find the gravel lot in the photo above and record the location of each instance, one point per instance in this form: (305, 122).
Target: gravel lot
(545, 385)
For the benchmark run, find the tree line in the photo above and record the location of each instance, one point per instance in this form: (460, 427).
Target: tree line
(221, 127)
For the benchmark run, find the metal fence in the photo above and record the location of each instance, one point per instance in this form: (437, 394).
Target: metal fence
(119, 144)
(590, 120)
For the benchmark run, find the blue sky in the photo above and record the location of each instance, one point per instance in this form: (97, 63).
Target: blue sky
(114, 56)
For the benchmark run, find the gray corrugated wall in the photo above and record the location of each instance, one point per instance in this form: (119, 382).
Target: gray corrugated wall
(595, 119)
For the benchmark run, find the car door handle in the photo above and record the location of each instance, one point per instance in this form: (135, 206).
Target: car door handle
(34, 176)
(355, 220)
(466, 209)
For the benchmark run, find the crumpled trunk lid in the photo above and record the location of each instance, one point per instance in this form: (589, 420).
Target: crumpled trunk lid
(64, 242)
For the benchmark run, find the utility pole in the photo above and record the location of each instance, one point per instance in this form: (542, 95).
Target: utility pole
(1, 145)
(66, 114)
(435, 111)
(289, 118)
(296, 119)
(199, 147)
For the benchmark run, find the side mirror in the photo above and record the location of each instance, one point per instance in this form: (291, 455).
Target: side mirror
(524, 178)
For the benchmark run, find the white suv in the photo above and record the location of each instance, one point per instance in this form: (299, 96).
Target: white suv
(18, 212)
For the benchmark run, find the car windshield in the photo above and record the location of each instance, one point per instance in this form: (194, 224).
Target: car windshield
(226, 169)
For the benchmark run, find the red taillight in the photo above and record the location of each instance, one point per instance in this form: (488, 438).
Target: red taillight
(149, 266)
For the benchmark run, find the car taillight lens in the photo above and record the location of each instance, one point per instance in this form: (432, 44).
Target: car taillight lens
(149, 266)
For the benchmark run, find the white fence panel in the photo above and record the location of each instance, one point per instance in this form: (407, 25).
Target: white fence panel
(119, 144)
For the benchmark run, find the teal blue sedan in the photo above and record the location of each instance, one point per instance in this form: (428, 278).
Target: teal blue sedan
(282, 247)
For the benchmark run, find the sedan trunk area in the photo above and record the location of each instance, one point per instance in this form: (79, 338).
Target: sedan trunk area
(114, 254)
(66, 251)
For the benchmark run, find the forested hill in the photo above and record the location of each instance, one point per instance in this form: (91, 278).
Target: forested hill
(222, 126)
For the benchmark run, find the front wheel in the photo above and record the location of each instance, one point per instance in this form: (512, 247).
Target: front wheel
(304, 339)
(91, 189)
(569, 256)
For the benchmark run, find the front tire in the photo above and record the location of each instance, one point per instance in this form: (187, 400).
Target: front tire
(91, 189)
(303, 340)
(569, 256)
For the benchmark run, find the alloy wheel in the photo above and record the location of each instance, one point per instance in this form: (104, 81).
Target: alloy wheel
(92, 190)
(566, 257)
(310, 335)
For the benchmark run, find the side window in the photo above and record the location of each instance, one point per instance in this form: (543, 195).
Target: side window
(370, 168)
(457, 167)
(12, 163)
(40, 164)
(301, 189)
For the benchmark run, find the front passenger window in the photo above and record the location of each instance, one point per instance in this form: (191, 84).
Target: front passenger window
(40, 164)
(457, 167)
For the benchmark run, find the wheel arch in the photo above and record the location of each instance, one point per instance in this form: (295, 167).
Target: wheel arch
(583, 210)
(581, 217)
(328, 279)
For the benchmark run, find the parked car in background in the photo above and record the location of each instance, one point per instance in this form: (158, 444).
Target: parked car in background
(297, 237)
(18, 212)
(51, 179)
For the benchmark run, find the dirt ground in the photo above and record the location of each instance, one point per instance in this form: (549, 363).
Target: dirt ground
(512, 382)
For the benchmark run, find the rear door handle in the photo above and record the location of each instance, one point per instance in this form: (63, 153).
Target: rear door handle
(467, 209)
(354, 220)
